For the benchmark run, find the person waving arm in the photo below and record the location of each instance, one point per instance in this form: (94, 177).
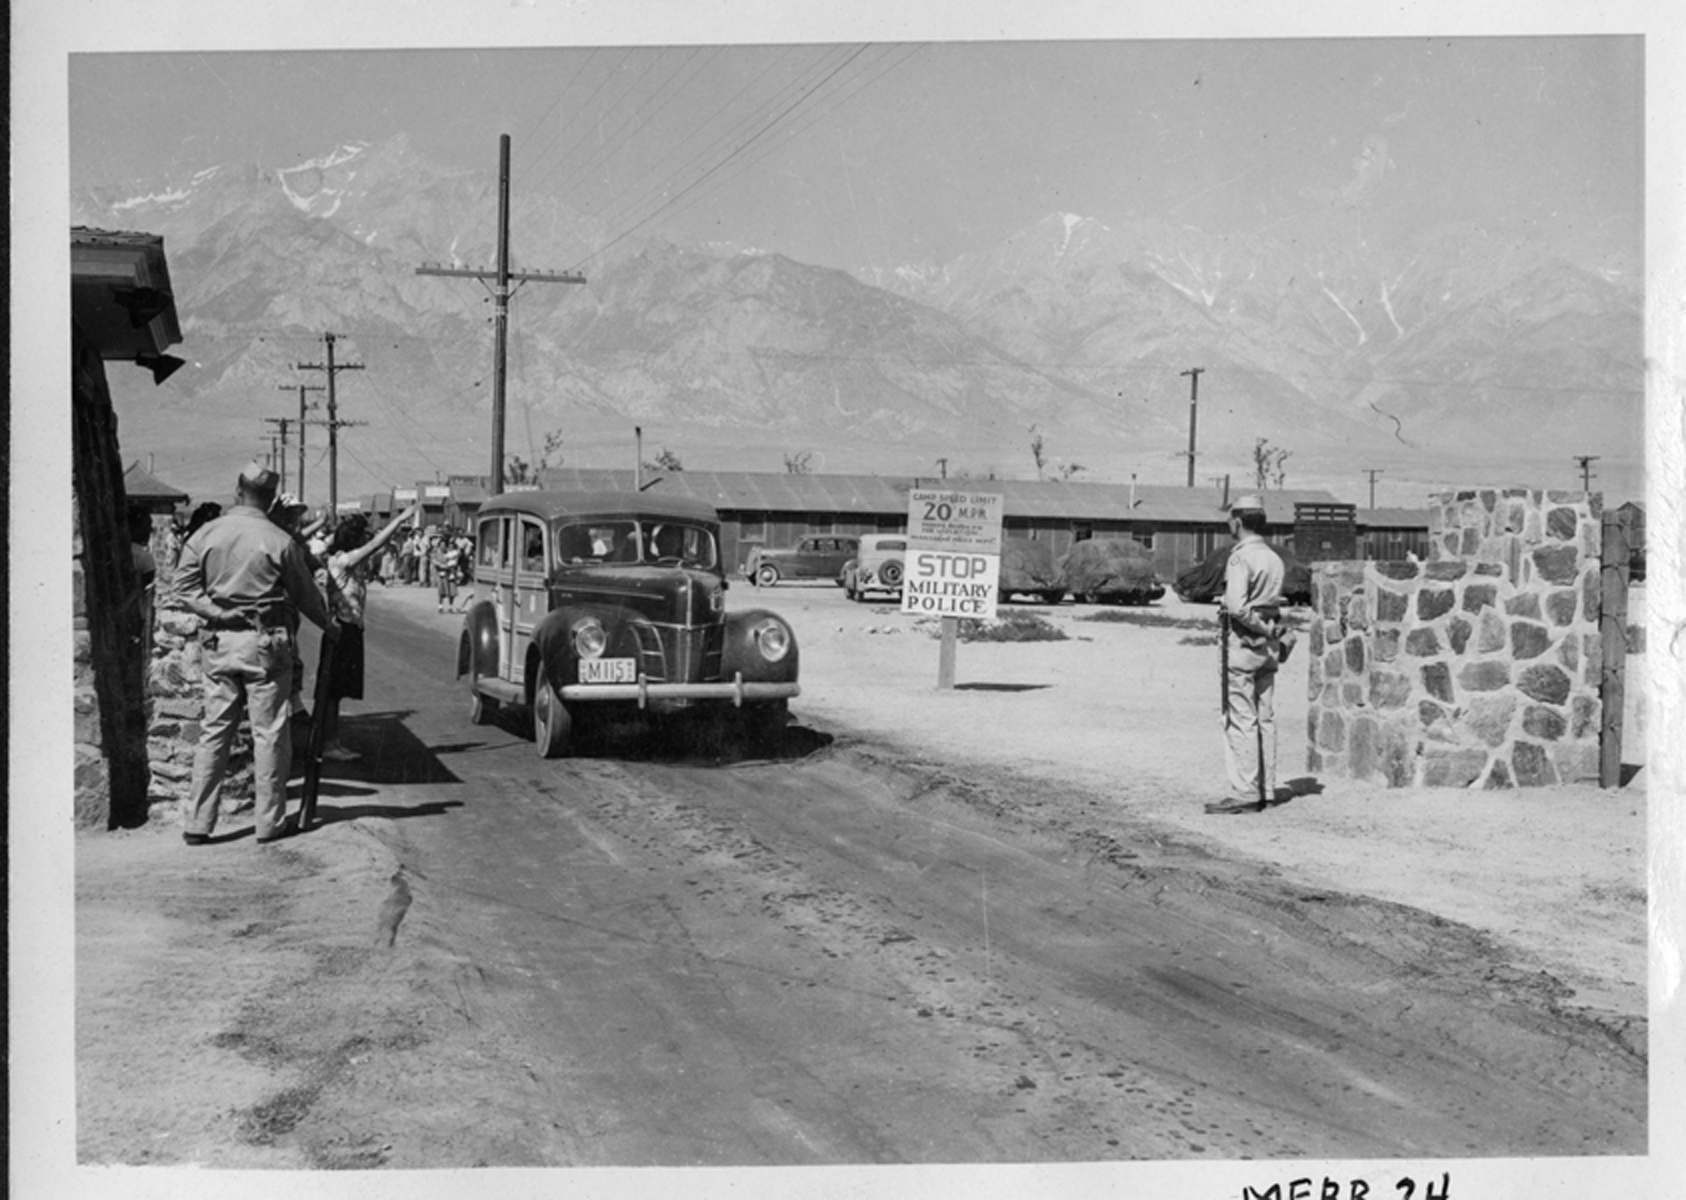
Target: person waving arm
(355, 558)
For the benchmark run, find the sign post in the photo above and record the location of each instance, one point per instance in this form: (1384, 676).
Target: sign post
(953, 562)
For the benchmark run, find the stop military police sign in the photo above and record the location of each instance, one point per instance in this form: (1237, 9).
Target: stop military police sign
(953, 561)
(953, 553)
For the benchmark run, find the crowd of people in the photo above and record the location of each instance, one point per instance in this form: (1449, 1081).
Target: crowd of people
(250, 574)
(435, 557)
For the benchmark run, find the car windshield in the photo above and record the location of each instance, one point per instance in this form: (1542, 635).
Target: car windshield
(627, 541)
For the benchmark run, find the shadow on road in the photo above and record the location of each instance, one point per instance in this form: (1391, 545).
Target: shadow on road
(329, 814)
(689, 739)
(1002, 687)
(390, 752)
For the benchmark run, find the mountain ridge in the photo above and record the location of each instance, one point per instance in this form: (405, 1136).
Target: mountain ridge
(1338, 349)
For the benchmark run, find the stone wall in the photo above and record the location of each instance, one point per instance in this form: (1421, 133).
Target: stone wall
(175, 703)
(1479, 667)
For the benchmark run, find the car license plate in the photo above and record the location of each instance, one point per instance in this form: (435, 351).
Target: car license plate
(608, 670)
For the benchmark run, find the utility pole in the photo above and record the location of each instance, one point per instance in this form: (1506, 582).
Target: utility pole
(280, 455)
(1193, 374)
(943, 464)
(1586, 461)
(502, 275)
(301, 388)
(333, 422)
(1372, 472)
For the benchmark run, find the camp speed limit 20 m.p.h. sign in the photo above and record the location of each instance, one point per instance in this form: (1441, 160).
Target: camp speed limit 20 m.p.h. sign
(953, 553)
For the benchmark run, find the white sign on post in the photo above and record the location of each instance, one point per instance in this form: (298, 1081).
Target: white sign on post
(953, 553)
(953, 561)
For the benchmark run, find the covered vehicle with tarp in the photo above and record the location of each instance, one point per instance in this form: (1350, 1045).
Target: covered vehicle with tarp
(1110, 571)
(1203, 583)
(1028, 568)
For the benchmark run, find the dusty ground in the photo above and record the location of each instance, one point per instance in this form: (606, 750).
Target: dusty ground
(1557, 874)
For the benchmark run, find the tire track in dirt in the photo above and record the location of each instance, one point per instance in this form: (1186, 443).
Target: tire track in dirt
(1127, 1003)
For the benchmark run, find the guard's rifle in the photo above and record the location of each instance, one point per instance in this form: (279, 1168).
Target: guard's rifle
(318, 726)
(1223, 660)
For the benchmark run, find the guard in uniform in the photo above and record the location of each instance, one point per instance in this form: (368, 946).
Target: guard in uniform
(249, 582)
(1255, 643)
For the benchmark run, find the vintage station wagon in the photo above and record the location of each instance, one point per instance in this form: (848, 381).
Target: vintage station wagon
(588, 600)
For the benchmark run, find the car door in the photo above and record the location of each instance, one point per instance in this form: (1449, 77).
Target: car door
(494, 578)
(530, 591)
(802, 562)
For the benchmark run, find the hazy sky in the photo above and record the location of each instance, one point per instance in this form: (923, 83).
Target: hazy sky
(848, 154)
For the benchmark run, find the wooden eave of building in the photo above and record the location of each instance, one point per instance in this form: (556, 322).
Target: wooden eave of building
(120, 293)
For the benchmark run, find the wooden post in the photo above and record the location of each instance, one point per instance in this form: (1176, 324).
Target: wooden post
(945, 655)
(1612, 629)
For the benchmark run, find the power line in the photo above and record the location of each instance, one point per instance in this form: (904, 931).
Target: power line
(736, 151)
(502, 277)
(1193, 374)
(333, 422)
(801, 125)
(303, 408)
(704, 151)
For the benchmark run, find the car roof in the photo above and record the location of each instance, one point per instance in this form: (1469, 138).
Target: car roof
(553, 505)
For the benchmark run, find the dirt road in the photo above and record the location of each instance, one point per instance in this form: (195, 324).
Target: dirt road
(836, 956)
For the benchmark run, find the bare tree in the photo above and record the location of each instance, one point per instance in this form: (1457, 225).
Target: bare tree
(519, 471)
(1036, 450)
(1268, 464)
(800, 463)
(1067, 470)
(667, 461)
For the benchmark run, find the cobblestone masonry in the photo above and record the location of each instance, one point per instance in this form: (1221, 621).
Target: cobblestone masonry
(1479, 667)
(175, 703)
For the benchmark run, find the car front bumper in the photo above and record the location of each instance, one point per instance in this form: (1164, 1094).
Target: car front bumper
(737, 690)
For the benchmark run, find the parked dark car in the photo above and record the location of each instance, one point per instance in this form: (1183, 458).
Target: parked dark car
(1110, 571)
(589, 601)
(818, 556)
(1203, 583)
(1028, 569)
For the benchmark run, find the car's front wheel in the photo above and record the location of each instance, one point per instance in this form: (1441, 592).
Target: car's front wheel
(481, 708)
(767, 575)
(553, 728)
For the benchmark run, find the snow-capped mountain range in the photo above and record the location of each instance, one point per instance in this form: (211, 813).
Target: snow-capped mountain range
(1460, 346)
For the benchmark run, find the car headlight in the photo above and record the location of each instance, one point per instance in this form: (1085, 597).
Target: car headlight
(590, 638)
(772, 638)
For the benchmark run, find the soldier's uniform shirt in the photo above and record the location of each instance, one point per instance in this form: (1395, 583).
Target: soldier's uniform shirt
(1252, 580)
(248, 566)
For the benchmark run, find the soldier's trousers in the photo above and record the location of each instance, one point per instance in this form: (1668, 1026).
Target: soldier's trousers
(1252, 712)
(249, 672)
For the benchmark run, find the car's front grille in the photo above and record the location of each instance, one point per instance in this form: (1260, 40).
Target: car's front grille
(679, 653)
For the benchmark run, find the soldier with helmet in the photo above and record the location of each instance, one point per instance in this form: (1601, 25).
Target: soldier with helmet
(1255, 643)
(248, 581)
